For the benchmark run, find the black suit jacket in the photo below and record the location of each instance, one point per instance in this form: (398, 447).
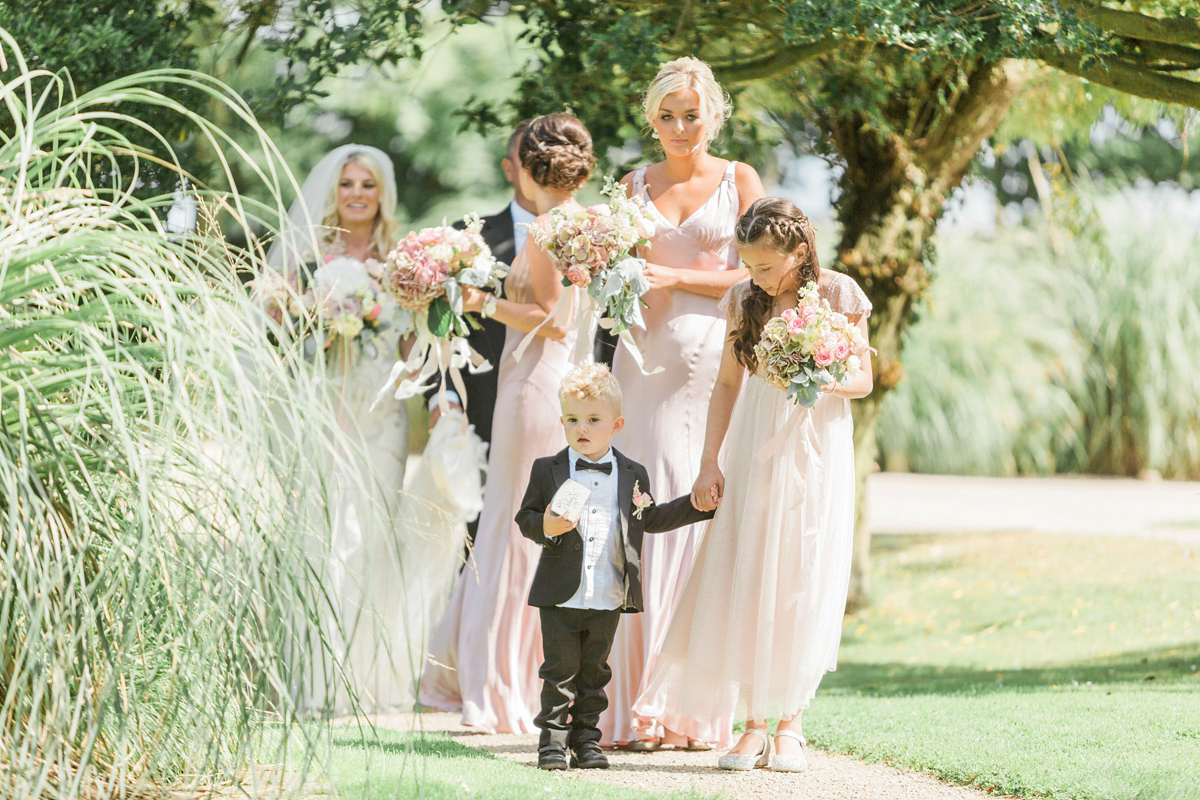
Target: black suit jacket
(497, 232)
(560, 568)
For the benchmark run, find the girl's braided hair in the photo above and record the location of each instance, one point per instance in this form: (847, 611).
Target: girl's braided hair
(779, 225)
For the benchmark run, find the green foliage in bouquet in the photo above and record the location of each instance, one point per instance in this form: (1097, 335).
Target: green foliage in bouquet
(157, 611)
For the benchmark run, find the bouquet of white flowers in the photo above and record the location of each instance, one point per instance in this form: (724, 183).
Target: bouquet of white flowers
(343, 300)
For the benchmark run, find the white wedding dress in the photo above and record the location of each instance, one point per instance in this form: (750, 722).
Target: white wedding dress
(363, 579)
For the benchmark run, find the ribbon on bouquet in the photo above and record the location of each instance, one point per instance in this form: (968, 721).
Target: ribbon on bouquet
(432, 355)
(584, 324)
(561, 313)
(799, 417)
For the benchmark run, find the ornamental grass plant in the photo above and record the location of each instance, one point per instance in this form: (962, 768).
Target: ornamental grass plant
(1032, 359)
(160, 602)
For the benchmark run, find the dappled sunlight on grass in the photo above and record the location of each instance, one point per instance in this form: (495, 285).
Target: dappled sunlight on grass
(1050, 666)
(1014, 600)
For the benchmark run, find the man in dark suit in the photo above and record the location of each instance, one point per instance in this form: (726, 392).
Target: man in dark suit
(504, 233)
(591, 569)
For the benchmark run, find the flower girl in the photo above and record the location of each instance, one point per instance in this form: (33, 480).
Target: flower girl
(761, 615)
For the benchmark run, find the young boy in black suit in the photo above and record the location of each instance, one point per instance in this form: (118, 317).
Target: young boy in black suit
(590, 570)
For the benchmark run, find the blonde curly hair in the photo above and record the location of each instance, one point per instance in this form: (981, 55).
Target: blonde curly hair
(592, 382)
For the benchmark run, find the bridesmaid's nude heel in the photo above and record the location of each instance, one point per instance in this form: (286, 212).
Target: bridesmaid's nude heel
(790, 763)
(740, 761)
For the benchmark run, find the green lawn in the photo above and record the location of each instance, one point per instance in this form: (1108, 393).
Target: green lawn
(1042, 666)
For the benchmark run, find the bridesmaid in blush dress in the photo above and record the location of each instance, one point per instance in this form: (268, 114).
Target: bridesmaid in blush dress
(486, 650)
(695, 199)
(760, 616)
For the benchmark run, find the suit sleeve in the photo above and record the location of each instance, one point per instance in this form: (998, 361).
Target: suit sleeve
(674, 514)
(534, 504)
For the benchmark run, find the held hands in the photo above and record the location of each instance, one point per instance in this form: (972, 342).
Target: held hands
(553, 525)
(708, 488)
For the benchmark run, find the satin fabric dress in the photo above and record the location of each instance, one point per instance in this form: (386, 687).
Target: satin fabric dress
(665, 416)
(487, 648)
(760, 618)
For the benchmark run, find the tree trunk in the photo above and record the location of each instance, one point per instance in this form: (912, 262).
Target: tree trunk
(893, 191)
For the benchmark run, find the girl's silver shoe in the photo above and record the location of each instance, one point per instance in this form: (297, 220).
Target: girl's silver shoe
(747, 762)
(790, 763)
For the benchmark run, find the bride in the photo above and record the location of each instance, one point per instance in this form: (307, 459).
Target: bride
(346, 209)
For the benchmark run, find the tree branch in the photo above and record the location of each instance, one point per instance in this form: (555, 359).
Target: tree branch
(1126, 76)
(1177, 56)
(742, 70)
(1131, 24)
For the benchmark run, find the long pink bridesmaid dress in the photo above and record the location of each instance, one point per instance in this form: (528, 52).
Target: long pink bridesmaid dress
(665, 416)
(760, 618)
(487, 648)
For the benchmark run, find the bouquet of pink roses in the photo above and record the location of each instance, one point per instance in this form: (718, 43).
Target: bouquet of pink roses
(425, 274)
(808, 347)
(280, 295)
(426, 270)
(592, 248)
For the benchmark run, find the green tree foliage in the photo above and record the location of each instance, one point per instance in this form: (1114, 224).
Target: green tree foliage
(95, 43)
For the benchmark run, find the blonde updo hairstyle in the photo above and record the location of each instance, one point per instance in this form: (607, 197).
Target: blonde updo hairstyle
(557, 151)
(385, 226)
(779, 225)
(681, 75)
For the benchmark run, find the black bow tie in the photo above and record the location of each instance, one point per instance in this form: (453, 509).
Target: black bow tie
(606, 467)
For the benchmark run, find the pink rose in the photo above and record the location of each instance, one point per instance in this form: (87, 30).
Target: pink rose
(841, 351)
(823, 356)
(579, 276)
(795, 326)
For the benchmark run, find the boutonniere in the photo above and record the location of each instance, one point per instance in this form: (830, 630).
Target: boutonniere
(641, 500)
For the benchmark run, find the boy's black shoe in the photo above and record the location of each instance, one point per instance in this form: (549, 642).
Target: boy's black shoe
(552, 759)
(589, 756)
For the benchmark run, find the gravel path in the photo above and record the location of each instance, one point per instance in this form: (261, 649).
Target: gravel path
(901, 502)
(829, 777)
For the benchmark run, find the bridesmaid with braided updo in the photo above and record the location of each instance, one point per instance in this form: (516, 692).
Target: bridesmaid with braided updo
(485, 652)
(761, 613)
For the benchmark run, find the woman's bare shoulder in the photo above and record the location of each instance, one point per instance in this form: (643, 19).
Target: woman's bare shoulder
(747, 181)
